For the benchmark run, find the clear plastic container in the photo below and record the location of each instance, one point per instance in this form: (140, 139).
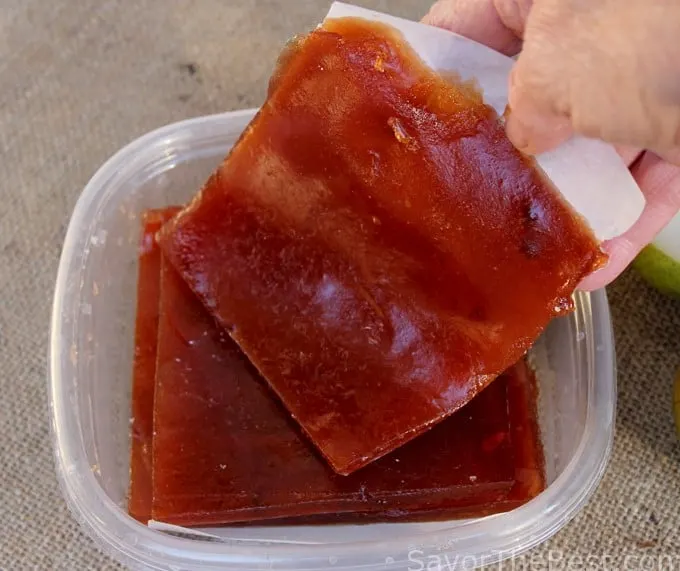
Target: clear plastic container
(91, 349)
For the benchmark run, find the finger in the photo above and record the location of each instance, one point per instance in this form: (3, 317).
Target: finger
(534, 122)
(671, 155)
(494, 23)
(660, 182)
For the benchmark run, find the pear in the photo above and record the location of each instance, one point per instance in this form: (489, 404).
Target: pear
(659, 263)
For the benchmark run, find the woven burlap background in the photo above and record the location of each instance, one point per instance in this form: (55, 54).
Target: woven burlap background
(79, 79)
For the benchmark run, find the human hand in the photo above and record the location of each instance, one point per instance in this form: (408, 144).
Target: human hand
(600, 68)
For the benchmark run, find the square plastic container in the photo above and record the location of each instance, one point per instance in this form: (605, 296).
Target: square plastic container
(91, 350)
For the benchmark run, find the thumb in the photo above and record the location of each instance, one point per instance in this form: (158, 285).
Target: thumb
(538, 117)
(533, 122)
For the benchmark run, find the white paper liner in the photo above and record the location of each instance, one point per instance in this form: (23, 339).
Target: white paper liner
(590, 174)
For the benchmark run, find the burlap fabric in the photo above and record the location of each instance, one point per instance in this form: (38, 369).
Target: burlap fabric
(80, 78)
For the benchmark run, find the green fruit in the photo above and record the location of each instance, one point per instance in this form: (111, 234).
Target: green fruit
(659, 263)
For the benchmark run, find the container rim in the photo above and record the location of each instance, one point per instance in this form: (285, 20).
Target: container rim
(138, 546)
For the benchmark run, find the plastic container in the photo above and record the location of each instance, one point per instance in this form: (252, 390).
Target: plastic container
(91, 348)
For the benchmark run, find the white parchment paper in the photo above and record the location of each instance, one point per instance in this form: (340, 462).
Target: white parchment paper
(590, 174)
